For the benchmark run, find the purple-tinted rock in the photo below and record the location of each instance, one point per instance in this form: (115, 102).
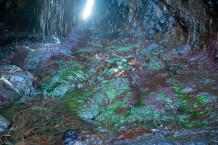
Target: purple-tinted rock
(35, 59)
(3, 123)
(8, 93)
(14, 84)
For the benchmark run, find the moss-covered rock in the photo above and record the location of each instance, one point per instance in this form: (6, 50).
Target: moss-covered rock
(70, 76)
(89, 104)
(152, 49)
(151, 107)
(120, 49)
(155, 64)
(193, 108)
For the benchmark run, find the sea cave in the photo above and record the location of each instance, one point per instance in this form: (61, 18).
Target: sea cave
(108, 72)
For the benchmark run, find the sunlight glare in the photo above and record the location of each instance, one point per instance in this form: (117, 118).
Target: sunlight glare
(88, 9)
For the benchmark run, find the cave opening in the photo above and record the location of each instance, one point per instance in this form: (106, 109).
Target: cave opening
(108, 72)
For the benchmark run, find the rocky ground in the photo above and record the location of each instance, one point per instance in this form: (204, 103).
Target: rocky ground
(151, 80)
(132, 91)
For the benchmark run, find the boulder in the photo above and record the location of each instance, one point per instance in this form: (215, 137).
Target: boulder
(4, 123)
(8, 93)
(35, 59)
(89, 104)
(15, 84)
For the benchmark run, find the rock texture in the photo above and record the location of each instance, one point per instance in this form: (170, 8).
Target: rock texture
(15, 84)
(3, 123)
(133, 64)
(133, 17)
(38, 16)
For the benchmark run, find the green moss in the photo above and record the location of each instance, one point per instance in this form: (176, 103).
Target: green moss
(153, 51)
(124, 49)
(110, 113)
(191, 109)
(139, 112)
(139, 103)
(111, 94)
(202, 100)
(146, 113)
(76, 98)
(155, 64)
(101, 103)
(74, 69)
(90, 103)
(98, 44)
(70, 76)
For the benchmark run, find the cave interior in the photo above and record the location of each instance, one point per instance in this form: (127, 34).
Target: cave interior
(122, 72)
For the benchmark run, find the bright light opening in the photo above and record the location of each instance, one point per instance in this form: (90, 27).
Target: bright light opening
(88, 9)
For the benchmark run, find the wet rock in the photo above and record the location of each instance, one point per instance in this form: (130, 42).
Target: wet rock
(4, 123)
(152, 49)
(40, 21)
(76, 38)
(209, 97)
(35, 59)
(155, 64)
(70, 137)
(173, 69)
(131, 133)
(188, 90)
(8, 93)
(183, 50)
(49, 54)
(212, 48)
(192, 20)
(155, 105)
(16, 53)
(61, 74)
(9, 37)
(15, 83)
(105, 93)
(199, 136)
(142, 109)
(83, 137)
(79, 143)
(91, 103)
(215, 88)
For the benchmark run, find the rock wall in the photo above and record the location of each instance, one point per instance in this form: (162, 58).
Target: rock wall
(49, 17)
(150, 17)
(193, 21)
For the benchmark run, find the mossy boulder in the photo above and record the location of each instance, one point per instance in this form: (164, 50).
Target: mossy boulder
(150, 107)
(90, 103)
(70, 76)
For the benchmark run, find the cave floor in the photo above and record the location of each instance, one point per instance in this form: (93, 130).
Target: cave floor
(127, 92)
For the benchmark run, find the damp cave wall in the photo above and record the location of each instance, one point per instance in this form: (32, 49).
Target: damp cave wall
(195, 21)
(47, 17)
